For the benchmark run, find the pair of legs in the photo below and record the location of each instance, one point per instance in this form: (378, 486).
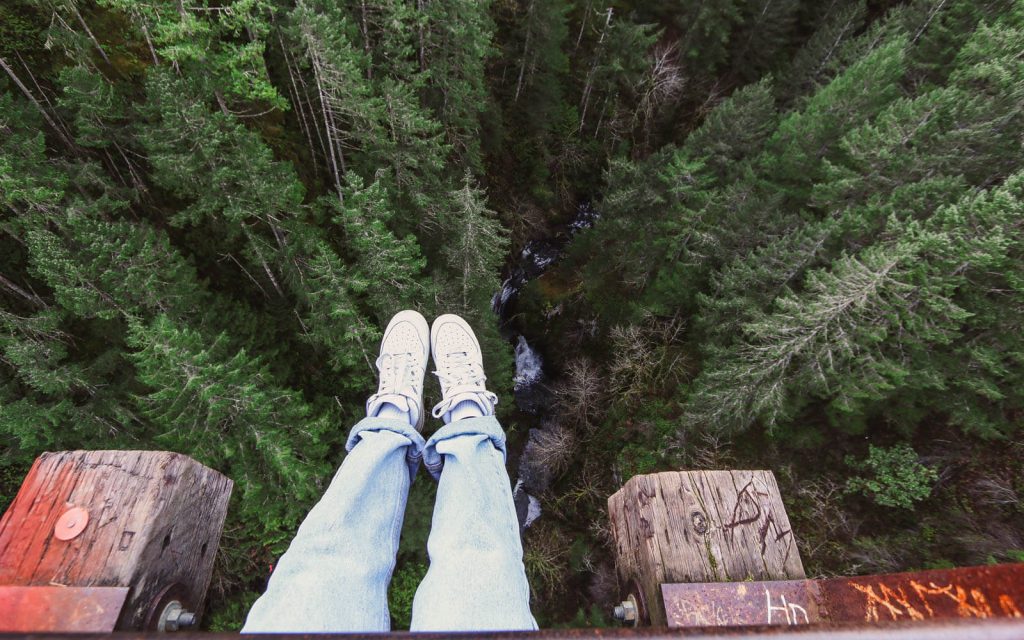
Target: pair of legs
(335, 574)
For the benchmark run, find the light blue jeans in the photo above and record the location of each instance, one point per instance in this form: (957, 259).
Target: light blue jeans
(335, 574)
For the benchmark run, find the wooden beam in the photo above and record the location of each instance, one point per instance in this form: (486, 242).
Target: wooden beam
(700, 526)
(147, 520)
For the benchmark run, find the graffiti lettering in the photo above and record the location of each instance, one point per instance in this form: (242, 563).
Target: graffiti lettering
(969, 602)
(789, 609)
(1009, 607)
(747, 509)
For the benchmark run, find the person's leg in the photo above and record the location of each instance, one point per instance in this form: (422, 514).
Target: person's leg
(335, 574)
(476, 580)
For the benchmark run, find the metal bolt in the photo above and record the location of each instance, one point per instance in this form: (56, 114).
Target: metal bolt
(175, 617)
(625, 612)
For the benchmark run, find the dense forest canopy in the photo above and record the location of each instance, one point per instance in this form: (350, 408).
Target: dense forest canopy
(809, 256)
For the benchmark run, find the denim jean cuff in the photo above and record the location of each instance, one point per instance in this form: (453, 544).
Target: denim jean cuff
(413, 455)
(484, 425)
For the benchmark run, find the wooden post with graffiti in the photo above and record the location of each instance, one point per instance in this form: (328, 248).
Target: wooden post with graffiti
(715, 549)
(696, 527)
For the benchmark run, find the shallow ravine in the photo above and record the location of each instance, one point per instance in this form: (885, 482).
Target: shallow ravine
(531, 383)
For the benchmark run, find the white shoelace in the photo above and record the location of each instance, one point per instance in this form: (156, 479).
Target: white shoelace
(398, 371)
(463, 379)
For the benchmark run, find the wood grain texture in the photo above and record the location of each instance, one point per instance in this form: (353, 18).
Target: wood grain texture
(155, 521)
(701, 526)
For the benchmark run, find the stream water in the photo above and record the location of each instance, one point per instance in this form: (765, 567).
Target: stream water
(532, 394)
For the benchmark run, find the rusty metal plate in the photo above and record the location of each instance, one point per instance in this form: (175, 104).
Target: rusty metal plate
(736, 604)
(71, 523)
(995, 591)
(60, 609)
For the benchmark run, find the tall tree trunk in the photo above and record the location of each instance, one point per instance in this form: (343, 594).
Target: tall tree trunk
(149, 41)
(366, 40)
(88, 32)
(526, 52)
(31, 297)
(28, 94)
(589, 84)
(293, 89)
(336, 155)
(421, 5)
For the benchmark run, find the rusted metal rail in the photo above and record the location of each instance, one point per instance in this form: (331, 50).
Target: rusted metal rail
(995, 591)
(995, 629)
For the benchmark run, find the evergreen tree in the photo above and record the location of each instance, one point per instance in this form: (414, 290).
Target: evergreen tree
(221, 49)
(30, 183)
(735, 130)
(883, 321)
(202, 391)
(766, 32)
(345, 109)
(807, 137)
(454, 46)
(393, 265)
(474, 250)
(473, 255)
(811, 65)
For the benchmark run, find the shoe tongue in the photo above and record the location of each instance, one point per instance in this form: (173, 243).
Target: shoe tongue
(477, 397)
(400, 401)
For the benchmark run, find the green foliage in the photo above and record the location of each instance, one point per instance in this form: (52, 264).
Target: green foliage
(474, 249)
(224, 48)
(894, 476)
(809, 233)
(21, 30)
(813, 62)
(592, 617)
(228, 616)
(201, 390)
(401, 592)
(392, 264)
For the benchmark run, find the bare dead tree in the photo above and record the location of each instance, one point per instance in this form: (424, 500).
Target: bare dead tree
(300, 107)
(89, 33)
(551, 448)
(645, 357)
(526, 52)
(664, 82)
(581, 393)
(588, 84)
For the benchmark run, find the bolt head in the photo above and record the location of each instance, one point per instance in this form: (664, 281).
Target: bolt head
(629, 608)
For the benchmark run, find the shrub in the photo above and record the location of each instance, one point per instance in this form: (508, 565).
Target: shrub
(894, 476)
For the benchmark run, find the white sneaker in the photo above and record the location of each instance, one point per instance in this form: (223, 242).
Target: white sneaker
(460, 367)
(402, 363)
